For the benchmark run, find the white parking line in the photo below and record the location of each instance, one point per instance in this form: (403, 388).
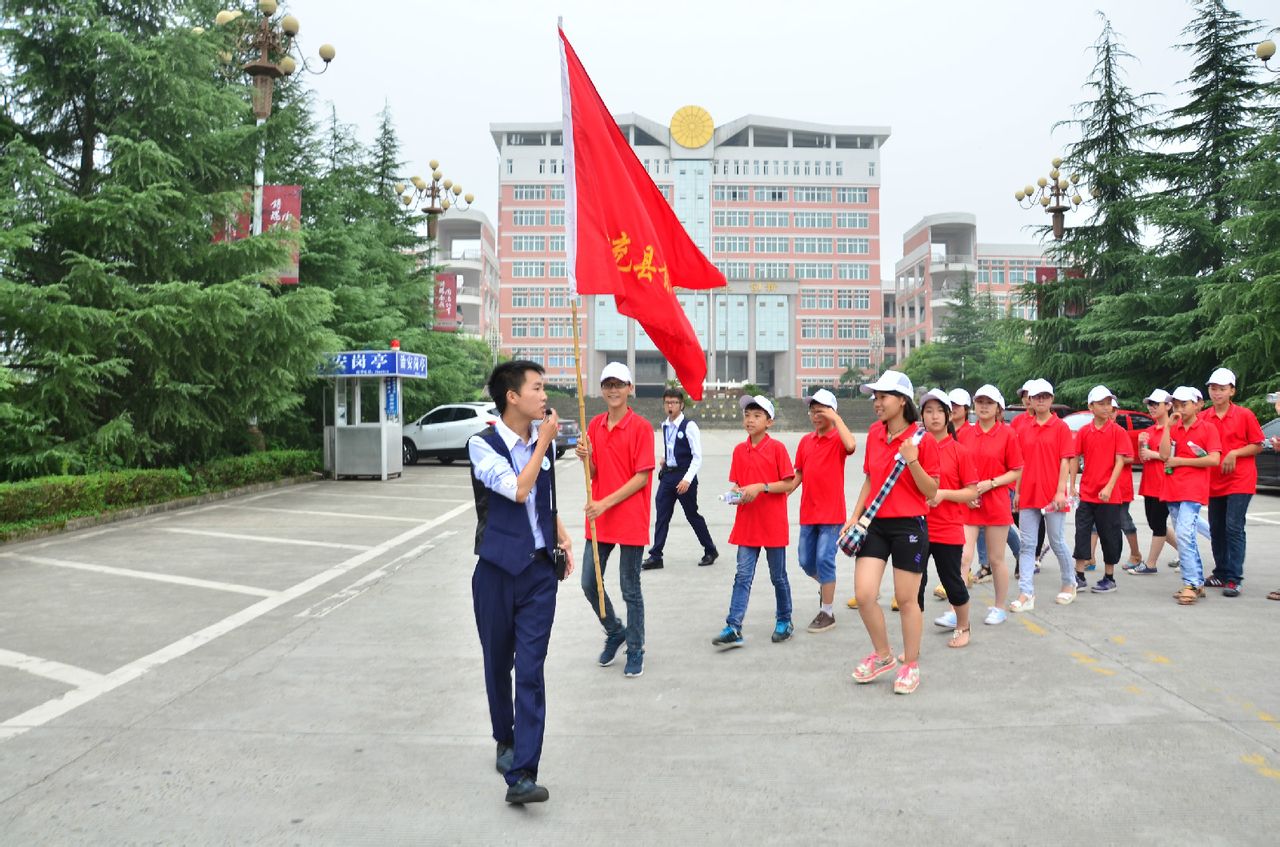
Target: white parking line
(154, 576)
(362, 517)
(266, 539)
(1265, 521)
(364, 583)
(49, 669)
(402, 498)
(59, 706)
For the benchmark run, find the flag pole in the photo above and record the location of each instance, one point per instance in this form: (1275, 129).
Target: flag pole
(586, 466)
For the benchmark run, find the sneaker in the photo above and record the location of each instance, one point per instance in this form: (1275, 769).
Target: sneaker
(822, 622)
(1144, 570)
(612, 643)
(907, 680)
(1130, 565)
(995, 616)
(782, 631)
(1231, 589)
(1104, 586)
(635, 665)
(1215, 582)
(728, 637)
(947, 621)
(872, 666)
(1081, 582)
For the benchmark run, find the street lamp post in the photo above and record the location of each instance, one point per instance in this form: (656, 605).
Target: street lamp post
(433, 197)
(1057, 194)
(1265, 51)
(267, 46)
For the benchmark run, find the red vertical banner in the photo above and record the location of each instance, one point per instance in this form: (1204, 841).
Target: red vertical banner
(235, 227)
(446, 295)
(1045, 273)
(282, 206)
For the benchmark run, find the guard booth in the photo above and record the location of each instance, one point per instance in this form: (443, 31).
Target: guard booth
(365, 435)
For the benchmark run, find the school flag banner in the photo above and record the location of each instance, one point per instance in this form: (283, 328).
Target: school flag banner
(621, 236)
(446, 296)
(281, 206)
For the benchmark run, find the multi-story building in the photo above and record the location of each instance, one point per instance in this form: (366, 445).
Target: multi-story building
(466, 248)
(938, 253)
(788, 210)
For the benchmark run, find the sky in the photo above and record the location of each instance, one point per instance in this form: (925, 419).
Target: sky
(970, 90)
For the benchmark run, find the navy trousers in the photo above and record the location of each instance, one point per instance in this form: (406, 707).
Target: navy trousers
(665, 501)
(513, 617)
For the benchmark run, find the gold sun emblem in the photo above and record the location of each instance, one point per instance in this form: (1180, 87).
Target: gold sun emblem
(692, 127)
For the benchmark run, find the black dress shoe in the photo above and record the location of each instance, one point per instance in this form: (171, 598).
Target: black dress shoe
(526, 791)
(709, 559)
(651, 564)
(506, 757)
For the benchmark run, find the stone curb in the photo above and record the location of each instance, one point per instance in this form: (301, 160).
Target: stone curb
(156, 508)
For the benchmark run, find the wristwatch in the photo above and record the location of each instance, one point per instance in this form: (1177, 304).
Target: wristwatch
(766, 488)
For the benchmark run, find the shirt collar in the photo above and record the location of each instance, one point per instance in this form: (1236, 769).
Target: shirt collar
(764, 439)
(509, 437)
(676, 423)
(626, 419)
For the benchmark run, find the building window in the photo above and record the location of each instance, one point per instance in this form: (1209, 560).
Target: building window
(731, 244)
(854, 246)
(813, 220)
(806, 194)
(853, 220)
(557, 192)
(734, 270)
(542, 166)
(808, 329)
(731, 218)
(774, 220)
(731, 193)
(558, 298)
(556, 244)
(766, 194)
(852, 195)
(772, 270)
(528, 243)
(813, 270)
(825, 300)
(510, 165)
(526, 139)
(556, 217)
(845, 330)
(773, 244)
(844, 302)
(811, 244)
(862, 300)
(527, 270)
(871, 168)
(808, 300)
(839, 168)
(557, 270)
(528, 217)
(862, 329)
(529, 192)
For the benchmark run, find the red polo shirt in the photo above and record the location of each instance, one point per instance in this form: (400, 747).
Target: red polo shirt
(762, 522)
(1044, 446)
(1098, 447)
(956, 471)
(820, 459)
(1022, 419)
(1191, 485)
(904, 499)
(994, 452)
(1237, 428)
(621, 453)
(1153, 470)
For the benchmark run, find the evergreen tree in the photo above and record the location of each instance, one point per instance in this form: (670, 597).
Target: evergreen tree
(1095, 323)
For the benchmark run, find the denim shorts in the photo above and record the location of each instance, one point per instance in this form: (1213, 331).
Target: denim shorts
(817, 552)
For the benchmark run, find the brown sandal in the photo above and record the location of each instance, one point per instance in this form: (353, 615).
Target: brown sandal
(957, 635)
(1274, 595)
(1187, 596)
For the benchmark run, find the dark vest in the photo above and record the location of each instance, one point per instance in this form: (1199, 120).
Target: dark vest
(682, 451)
(503, 536)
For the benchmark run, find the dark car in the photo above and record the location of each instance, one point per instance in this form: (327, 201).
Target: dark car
(567, 436)
(1269, 460)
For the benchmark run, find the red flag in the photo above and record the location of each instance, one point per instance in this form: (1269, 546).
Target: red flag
(622, 238)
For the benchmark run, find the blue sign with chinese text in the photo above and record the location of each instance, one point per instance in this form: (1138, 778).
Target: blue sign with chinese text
(375, 363)
(393, 397)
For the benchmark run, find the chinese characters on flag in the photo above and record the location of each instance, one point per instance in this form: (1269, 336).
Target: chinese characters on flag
(622, 237)
(446, 295)
(281, 206)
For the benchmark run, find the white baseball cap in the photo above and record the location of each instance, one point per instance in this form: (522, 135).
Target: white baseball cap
(1026, 387)
(1099, 393)
(1222, 376)
(1038, 386)
(1199, 394)
(991, 393)
(760, 400)
(1158, 396)
(1185, 394)
(1273, 397)
(960, 397)
(894, 381)
(939, 395)
(618, 371)
(823, 397)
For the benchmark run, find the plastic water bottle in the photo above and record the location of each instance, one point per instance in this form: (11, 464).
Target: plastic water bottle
(1173, 449)
(1072, 502)
(732, 498)
(1197, 449)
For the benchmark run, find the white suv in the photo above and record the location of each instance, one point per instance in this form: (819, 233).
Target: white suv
(442, 433)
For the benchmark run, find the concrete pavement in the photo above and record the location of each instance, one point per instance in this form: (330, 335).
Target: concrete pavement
(302, 667)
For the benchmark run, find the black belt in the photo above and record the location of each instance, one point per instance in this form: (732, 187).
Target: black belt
(666, 469)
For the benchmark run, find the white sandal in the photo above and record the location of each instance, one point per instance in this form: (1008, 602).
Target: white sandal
(1065, 598)
(1021, 605)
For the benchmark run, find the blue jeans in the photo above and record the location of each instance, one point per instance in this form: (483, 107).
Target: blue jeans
(818, 551)
(629, 579)
(747, 556)
(1226, 535)
(1184, 516)
(1029, 527)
